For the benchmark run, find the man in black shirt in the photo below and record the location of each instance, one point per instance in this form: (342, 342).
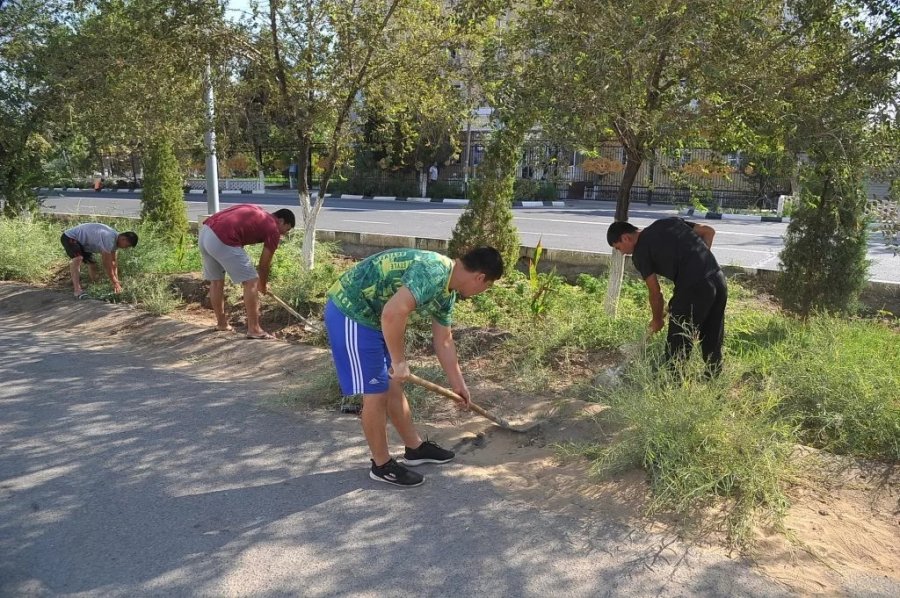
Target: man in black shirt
(680, 251)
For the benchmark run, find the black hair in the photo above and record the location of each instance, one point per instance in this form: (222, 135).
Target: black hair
(617, 229)
(486, 260)
(131, 236)
(286, 215)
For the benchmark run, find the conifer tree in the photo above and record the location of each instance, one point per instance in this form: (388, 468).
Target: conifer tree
(163, 192)
(488, 219)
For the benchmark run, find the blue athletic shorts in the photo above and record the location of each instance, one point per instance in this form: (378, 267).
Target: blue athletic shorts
(360, 354)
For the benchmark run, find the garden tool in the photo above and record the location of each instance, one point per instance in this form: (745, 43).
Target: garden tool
(446, 392)
(308, 325)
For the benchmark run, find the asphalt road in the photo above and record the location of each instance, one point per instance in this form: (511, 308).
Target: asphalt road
(122, 476)
(578, 226)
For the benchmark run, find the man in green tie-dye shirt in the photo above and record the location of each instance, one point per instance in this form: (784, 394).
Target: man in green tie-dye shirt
(366, 315)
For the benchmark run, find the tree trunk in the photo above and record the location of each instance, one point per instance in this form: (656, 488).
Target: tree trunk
(310, 212)
(616, 275)
(134, 173)
(260, 173)
(617, 261)
(308, 254)
(632, 166)
(423, 183)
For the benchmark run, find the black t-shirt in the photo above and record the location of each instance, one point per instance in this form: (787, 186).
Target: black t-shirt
(670, 248)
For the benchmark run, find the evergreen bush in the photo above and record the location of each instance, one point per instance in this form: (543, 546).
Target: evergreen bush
(488, 219)
(824, 265)
(163, 202)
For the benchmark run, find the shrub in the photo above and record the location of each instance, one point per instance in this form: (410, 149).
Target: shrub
(487, 220)
(839, 382)
(699, 442)
(445, 189)
(163, 201)
(29, 249)
(824, 257)
(527, 189)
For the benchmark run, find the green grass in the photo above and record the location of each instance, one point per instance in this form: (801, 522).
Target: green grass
(30, 250)
(701, 442)
(839, 381)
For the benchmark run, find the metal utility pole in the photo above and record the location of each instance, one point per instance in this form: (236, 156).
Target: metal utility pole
(212, 167)
(468, 141)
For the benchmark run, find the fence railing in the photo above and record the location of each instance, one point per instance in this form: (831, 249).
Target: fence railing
(545, 171)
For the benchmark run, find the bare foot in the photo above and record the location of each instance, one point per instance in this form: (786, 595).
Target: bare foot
(226, 328)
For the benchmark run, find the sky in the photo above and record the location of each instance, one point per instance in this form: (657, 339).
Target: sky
(235, 7)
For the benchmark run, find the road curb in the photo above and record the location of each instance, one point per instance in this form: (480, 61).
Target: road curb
(724, 216)
(545, 203)
(447, 200)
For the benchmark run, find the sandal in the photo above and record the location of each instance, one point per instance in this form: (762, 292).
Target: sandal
(261, 337)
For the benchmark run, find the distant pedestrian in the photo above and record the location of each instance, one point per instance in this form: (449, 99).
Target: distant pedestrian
(83, 241)
(680, 251)
(222, 239)
(433, 173)
(366, 316)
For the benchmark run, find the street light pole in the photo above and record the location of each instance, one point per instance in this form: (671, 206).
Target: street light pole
(468, 139)
(212, 168)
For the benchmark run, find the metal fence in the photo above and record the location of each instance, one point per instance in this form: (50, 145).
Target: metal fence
(545, 171)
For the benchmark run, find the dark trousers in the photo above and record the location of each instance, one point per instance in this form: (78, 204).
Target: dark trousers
(698, 309)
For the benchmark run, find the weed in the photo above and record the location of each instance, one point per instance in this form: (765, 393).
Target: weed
(542, 285)
(840, 382)
(320, 389)
(700, 441)
(30, 250)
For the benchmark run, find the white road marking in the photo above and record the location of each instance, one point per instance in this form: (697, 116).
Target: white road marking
(525, 232)
(367, 221)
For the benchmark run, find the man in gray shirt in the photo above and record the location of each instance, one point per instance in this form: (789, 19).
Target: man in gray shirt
(84, 240)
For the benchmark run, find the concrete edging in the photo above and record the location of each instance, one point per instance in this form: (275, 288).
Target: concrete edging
(691, 212)
(448, 200)
(445, 200)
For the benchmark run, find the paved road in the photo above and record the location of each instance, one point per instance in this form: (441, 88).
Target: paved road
(579, 226)
(122, 477)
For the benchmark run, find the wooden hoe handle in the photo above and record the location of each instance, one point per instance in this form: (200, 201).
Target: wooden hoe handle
(452, 395)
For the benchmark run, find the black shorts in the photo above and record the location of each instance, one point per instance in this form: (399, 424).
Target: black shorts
(74, 249)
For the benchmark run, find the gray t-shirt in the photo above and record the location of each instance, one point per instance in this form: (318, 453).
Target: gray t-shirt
(94, 237)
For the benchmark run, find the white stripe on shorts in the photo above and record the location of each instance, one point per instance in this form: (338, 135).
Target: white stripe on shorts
(352, 343)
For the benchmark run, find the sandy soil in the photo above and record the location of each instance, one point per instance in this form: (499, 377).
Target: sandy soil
(842, 529)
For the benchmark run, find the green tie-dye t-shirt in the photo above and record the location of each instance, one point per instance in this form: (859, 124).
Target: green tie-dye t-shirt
(361, 292)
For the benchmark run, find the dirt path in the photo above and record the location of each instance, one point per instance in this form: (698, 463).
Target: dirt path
(843, 530)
